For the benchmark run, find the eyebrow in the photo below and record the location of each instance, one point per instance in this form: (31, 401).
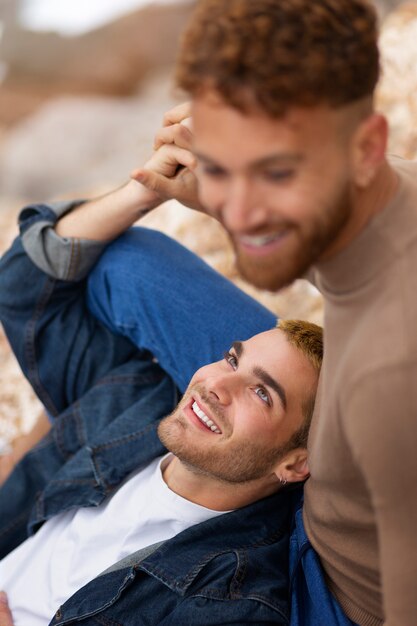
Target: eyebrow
(263, 375)
(268, 160)
(238, 348)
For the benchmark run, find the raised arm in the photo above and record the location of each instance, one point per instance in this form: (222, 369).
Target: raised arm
(167, 174)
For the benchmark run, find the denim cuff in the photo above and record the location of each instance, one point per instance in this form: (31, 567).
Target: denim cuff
(64, 258)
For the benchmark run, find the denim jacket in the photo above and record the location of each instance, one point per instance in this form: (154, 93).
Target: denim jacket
(107, 398)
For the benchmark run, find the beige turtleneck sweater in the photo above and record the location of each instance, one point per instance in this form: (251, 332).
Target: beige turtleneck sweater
(361, 500)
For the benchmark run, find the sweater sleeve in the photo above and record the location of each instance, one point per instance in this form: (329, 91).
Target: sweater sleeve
(381, 428)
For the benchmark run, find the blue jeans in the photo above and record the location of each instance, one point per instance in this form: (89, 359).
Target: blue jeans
(312, 604)
(167, 301)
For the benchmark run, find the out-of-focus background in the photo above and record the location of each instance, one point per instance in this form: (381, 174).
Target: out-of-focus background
(83, 87)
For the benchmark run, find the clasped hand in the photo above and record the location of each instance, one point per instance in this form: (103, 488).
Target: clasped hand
(169, 173)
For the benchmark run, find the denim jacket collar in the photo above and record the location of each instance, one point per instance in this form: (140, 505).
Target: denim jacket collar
(179, 562)
(261, 522)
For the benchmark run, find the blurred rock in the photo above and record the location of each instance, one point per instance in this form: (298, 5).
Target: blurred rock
(73, 144)
(111, 60)
(397, 94)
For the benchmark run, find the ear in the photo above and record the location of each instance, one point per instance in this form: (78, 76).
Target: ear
(369, 145)
(293, 468)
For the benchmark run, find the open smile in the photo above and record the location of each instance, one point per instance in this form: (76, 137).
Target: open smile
(204, 419)
(262, 244)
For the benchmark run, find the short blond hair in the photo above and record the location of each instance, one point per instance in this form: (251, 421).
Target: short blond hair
(308, 338)
(305, 336)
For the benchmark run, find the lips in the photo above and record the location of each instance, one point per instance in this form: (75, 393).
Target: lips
(204, 419)
(261, 244)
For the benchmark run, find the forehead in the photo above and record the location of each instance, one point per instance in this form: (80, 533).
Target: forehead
(272, 351)
(221, 131)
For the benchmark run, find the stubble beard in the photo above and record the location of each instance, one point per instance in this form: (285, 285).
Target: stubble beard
(279, 270)
(222, 460)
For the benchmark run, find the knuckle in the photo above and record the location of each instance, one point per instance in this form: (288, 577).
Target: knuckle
(167, 119)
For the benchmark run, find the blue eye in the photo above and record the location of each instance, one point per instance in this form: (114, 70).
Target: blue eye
(231, 359)
(262, 394)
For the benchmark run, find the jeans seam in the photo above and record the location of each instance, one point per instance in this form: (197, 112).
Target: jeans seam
(30, 347)
(74, 258)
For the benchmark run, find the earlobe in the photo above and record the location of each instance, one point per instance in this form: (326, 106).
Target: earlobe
(370, 144)
(294, 467)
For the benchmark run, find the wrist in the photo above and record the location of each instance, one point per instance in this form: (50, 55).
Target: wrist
(139, 198)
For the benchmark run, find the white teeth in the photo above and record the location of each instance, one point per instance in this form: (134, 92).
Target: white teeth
(260, 241)
(203, 418)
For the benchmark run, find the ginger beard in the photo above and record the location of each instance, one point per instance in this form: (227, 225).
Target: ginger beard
(302, 246)
(222, 457)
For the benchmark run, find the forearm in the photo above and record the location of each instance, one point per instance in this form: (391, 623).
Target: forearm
(66, 239)
(107, 217)
(168, 174)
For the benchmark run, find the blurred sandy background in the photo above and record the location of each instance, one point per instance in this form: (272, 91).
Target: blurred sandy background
(80, 102)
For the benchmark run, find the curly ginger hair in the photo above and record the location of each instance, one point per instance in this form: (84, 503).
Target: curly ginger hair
(281, 53)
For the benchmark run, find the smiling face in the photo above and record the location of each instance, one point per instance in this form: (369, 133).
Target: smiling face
(282, 187)
(238, 414)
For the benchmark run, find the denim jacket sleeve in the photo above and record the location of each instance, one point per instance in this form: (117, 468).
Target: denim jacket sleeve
(59, 257)
(60, 346)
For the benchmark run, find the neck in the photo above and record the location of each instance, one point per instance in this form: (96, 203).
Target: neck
(213, 493)
(367, 203)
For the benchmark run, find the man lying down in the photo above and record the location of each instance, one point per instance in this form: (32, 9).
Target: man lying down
(122, 515)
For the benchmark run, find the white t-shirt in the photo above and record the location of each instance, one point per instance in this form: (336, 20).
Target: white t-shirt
(74, 547)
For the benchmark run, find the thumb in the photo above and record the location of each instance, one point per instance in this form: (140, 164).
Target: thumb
(152, 181)
(5, 614)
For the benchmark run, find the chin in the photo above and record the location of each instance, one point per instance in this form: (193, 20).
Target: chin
(269, 276)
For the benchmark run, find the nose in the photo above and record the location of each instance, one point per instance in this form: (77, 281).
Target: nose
(223, 388)
(242, 209)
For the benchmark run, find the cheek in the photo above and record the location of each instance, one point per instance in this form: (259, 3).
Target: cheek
(255, 423)
(201, 375)
(211, 193)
